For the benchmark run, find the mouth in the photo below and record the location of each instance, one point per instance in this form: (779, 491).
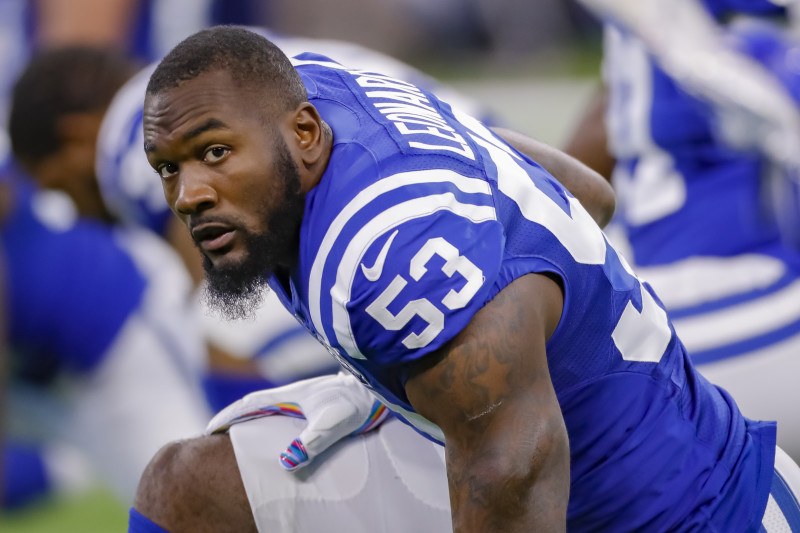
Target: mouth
(213, 237)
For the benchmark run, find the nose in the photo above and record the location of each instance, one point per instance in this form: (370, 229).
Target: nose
(196, 193)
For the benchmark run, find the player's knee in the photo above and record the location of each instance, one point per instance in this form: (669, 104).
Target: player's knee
(159, 478)
(195, 485)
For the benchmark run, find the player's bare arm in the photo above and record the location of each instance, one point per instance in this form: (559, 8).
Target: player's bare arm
(590, 188)
(490, 392)
(589, 140)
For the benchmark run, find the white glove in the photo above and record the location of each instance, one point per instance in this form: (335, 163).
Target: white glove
(335, 406)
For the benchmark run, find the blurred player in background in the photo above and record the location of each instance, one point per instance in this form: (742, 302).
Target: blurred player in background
(5, 205)
(694, 168)
(105, 364)
(143, 30)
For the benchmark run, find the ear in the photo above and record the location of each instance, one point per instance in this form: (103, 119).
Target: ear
(312, 144)
(309, 134)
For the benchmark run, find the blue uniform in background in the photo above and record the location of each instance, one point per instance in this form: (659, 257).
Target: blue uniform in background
(682, 191)
(423, 216)
(105, 355)
(89, 282)
(776, 48)
(73, 270)
(702, 222)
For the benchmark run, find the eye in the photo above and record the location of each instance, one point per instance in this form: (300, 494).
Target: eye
(215, 154)
(167, 170)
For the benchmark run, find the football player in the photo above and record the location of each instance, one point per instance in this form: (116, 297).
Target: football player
(462, 283)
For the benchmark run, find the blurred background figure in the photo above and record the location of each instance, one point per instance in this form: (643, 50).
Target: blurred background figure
(98, 374)
(108, 354)
(695, 149)
(5, 204)
(107, 357)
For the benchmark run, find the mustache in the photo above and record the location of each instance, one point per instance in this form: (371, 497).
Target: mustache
(196, 222)
(209, 226)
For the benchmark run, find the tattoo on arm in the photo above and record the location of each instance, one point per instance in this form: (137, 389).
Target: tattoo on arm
(489, 390)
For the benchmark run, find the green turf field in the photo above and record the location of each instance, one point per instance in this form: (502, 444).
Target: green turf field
(95, 512)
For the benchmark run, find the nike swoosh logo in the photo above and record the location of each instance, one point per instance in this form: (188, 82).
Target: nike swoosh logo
(374, 272)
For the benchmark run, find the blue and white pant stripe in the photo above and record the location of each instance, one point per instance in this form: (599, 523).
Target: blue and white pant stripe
(783, 509)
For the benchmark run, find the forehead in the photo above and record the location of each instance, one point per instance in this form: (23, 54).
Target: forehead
(209, 96)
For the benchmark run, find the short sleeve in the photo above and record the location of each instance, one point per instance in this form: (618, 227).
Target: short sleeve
(419, 283)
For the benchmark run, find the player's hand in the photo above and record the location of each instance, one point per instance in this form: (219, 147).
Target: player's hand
(335, 406)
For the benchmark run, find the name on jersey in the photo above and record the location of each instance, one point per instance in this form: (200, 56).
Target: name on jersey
(405, 106)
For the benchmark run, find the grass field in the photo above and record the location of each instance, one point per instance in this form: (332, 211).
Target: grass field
(94, 512)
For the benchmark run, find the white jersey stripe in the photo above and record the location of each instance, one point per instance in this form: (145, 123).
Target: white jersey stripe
(740, 322)
(700, 279)
(483, 132)
(463, 183)
(579, 234)
(328, 64)
(358, 245)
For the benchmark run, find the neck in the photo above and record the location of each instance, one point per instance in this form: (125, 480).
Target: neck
(282, 274)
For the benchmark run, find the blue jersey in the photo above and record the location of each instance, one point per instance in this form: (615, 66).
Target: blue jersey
(423, 216)
(775, 47)
(70, 286)
(682, 192)
(726, 8)
(696, 211)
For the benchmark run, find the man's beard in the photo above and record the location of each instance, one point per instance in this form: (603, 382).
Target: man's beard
(236, 291)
